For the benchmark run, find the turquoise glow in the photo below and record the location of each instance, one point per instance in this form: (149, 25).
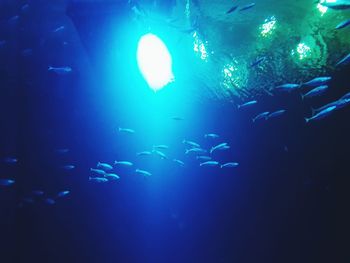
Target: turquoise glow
(154, 62)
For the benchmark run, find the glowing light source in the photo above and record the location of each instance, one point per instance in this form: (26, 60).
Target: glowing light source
(154, 61)
(268, 26)
(323, 9)
(302, 50)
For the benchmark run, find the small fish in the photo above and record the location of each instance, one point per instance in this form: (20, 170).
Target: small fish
(203, 157)
(38, 192)
(315, 92)
(176, 118)
(344, 61)
(63, 193)
(104, 166)
(249, 103)
(339, 5)
(217, 147)
(126, 163)
(97, 171)
(246, 7)
(161, 147)
(27, 52)
(343, 24)
(321, 114)
(143, 172)
(288, 87)
(191, 143)
(257, 62)
(143, 153)
(229, 165)
(112, 177)
(181, 163)
(276, 114)
(319, 81)
(6, 182)
(60, 70)
(261, 116)
(10, 160)
(25, 7)
(98, 179)
(68, 167)
(195, 150)
(58, 29)
(209, 163)
(346, 96)
(232, 9)
(226, 147)
(160, 154)
(62, 151)
(50, 201)
(211, 135)
(126, 130)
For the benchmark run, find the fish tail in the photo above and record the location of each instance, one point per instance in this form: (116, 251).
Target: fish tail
(307, 120)
(302, 96)
(90, 178)
(238, 106)
(221, 165)
(186, 152)
(49, 68)
(313, 111)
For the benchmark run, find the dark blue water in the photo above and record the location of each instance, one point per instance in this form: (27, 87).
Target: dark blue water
(285, 202)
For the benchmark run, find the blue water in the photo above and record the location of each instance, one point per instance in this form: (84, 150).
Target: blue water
(285, 202)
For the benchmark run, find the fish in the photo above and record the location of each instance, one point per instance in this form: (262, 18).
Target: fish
(160, 154)
(276, 114)
(62, 151)
(344, 61)
(217, 147)
(211, 135)
(176, 118)
(249, 103)
(191, 143)
(195, 150)
(246, 7)
(257, 62)
(7, 182)
(232, 9)
(38, 192)
(321, 114)
(143, 172)
(60, 28)
(319, 81)
(50, 201)
(97, 171)
(203, 158)
(143, 153)
(68, 167)
(161, 146)
(125, 163)
(342, 102)
(315, 92)
(288, 87)
(261, 116)
(226, 147)
(112, 176)
(98, 179)
(339, 5)
(60, 70)
(209, 163)
(229, 165)
(25, 7)
(181, 163)
(63, 193)
(104, 166)
(27, 52)
(126, 130)
(10, 160)
(343, 24)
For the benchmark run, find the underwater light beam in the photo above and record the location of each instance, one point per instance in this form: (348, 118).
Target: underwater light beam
(154, 61)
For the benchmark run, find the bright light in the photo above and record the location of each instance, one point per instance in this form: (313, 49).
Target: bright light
(323, 9)
(154, 61)
(268, 26)
(199, 47)
(303, 51)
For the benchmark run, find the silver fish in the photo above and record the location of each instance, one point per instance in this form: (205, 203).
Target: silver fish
(68, 167)
(209, 163)
(203, 158)
(191, 143)
(160, 154)
(318, 81)
(321, 114)
(60, 70)
(126, 130)
(97, 171)
(343, 24)
(161, 147)
(143, 153)
(211, 135)
(261, 116)
(276, 114)
(217, 147)
(143, 172)
(63, 193)
(181, 163)
(126, 163)
(344, 61)
(249, 103)
(315, 92)
(98, 179)
(229, 165)
(288, 87)
(6, 182)
(195, 150)
(112, 176)
(104, 166)
(246, 7)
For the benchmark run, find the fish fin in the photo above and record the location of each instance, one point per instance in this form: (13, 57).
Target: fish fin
(186, 152)
(221, 165)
